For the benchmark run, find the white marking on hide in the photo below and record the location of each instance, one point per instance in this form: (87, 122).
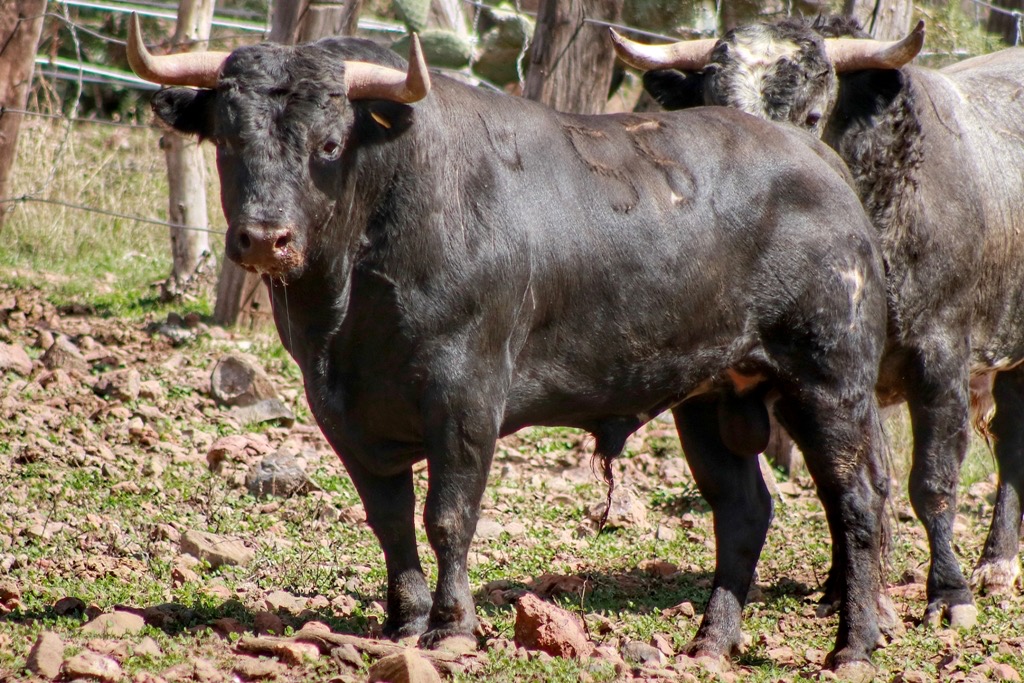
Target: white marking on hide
(676, 199)
(854, 281)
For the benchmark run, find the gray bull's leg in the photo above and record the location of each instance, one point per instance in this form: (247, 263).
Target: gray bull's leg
(742, 508)
(840, 434)
(999, 567)
(390, 506)
(937, 400)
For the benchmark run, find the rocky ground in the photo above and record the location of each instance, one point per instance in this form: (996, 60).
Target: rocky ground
(170, 512)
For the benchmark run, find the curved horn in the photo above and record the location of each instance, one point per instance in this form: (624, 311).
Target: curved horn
(365, 81)
(689, 55)
(199, 69)
(854, 54)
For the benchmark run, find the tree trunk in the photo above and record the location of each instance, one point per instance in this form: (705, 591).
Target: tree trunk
(21, 22)
(883, 19)
(242, 299)
(1009, 27)
(571, 60)
(186, 170)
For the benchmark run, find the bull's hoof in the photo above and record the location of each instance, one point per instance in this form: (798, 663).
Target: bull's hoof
(717, 648)
(405, 631)
(826, 608)
(855, 672)
(437, 638)
(996, 577)
(962, 616)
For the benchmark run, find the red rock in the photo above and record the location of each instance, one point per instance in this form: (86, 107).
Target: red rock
(549, 628)
(46, 656)
(404, 667)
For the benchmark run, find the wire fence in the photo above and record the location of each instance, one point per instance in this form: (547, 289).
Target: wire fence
(245, 24)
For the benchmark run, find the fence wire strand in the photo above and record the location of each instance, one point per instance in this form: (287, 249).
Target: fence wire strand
(21, 199)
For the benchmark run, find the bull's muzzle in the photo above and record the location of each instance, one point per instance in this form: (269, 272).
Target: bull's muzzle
(267, 249)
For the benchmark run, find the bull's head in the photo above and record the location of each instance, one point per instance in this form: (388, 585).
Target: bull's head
(284, 120)
(779, 72)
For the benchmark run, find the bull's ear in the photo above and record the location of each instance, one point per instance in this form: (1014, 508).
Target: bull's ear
(675, 89)
(865, 94)
(381, 120)
(186, 110)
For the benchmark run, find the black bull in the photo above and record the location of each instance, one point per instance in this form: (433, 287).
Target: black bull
(448, 272)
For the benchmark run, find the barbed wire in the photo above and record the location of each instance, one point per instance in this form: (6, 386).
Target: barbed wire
(24, 198)
(100, 122)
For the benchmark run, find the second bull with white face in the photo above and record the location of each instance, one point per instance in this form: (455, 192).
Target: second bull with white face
(938, 157)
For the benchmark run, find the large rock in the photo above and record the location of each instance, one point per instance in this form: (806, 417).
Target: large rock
(238, 380)
(215, 549)
(119, 385)
(404, 667)
(549, 628)
(13, 358)
(46, 656)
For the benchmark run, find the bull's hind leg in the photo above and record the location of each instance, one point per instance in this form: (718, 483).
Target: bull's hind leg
(742, 508)
(838, 430)
(999, 567)
(390, 507)
(936, 390)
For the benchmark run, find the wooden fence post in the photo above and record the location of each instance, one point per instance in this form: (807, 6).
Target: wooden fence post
(21, 22)
(186, 170)
(571, 60)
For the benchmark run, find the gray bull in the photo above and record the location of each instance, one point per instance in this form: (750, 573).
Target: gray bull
(938, 157)
(449, 265)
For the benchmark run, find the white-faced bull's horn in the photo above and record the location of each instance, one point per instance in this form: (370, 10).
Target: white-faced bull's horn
(199, 69)
(365, 81)
(688, 55)
(854, 54)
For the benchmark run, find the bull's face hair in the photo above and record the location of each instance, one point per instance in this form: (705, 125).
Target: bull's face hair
(778, 72)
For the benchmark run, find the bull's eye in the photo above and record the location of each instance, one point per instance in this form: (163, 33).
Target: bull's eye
(813, 118)
(330, 150)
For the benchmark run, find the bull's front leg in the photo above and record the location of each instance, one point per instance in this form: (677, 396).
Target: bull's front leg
(460, 446)
(390, 508)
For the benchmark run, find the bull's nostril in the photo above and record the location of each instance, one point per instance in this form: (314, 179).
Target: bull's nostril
(244, 242)
(283, 241)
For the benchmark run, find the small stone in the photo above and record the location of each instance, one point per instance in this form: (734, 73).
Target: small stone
(278, 475)
(1004, 672)
(14, 358)
(69, 606)
(115, 624)
(297, 653)
(404, 667)
(46, 656)
(94, 666)
(658, 568)
(270, 410)
(252, 669)
(147, 647)
(119, 385)
(488, 528)
(238, 380)
(64, 355)
(347, 656)
(283, 601)
(268, 622)
(457, 645)
(641, 654)
(627, 510)
(663, 644)
(215, 549)
(683, 609)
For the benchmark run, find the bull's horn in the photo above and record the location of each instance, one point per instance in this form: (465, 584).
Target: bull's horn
(854, 54)
(365, 81)
(688, 55)
(199, 69)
